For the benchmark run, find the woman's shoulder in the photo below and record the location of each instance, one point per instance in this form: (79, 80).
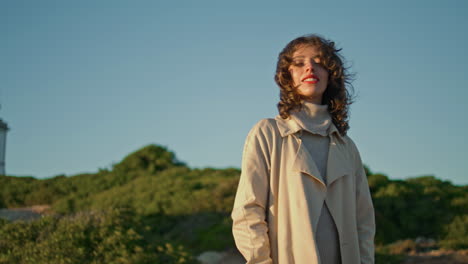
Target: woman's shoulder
(266, 127)
(265, 123)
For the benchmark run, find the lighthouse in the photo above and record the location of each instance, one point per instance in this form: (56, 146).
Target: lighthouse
(3, 132)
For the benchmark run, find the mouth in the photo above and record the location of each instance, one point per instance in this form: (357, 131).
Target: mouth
(310, 79)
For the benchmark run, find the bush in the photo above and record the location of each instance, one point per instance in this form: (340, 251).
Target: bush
(457, 234)
(84, 238)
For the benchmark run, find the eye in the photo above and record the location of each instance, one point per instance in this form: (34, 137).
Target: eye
(298, 63)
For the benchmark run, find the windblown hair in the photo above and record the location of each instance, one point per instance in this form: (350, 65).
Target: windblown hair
(336, 95)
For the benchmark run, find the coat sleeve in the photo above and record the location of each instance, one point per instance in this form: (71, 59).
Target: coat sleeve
(250, 229)
(365, 215)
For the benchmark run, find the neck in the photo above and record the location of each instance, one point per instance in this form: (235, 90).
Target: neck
(314, 100)
(313, 118)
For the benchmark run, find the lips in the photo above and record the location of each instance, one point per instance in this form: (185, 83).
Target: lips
(311, 78)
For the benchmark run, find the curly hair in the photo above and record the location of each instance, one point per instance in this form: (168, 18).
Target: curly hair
(336, 95)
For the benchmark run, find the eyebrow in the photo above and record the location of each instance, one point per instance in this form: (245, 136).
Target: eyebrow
(301, 57)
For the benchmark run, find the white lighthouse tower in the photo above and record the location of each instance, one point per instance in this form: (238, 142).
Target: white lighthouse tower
(3, 132)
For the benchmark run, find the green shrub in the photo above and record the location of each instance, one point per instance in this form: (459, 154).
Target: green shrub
(84, 238)
(174, 204)
(457, 234)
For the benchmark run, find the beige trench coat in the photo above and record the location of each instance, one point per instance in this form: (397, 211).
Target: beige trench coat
(281, 194)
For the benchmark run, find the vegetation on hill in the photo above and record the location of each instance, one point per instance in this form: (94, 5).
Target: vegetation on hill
(151, 208)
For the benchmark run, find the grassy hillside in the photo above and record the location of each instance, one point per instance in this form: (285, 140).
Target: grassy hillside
(171, 212)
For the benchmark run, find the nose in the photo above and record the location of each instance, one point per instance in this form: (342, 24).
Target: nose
(309, 67)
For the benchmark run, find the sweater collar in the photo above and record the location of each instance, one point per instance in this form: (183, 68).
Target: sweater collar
(312, 118)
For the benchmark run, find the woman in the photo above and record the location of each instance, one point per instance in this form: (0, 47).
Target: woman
(303, 195)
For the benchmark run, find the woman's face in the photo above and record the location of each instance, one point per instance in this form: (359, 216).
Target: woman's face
(308, 75)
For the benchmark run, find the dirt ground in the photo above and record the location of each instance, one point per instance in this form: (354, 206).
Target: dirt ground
(233, 257)
(437, 257)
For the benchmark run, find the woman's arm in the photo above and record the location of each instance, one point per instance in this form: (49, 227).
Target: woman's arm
(250, 228)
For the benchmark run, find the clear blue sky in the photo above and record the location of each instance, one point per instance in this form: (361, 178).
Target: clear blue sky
(84, 83)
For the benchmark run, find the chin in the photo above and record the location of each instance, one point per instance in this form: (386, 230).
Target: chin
(310, 94)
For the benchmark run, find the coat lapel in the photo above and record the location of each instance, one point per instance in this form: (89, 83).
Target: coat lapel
(303, 162)
(338, 165)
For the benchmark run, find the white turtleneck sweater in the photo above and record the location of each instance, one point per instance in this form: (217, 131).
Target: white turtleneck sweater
(315, 121)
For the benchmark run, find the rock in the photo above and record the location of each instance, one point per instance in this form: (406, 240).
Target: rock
(230, 256)
(424, 240)
(210, 257)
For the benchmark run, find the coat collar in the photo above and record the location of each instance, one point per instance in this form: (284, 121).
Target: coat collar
(337, 163)
(288, 127)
